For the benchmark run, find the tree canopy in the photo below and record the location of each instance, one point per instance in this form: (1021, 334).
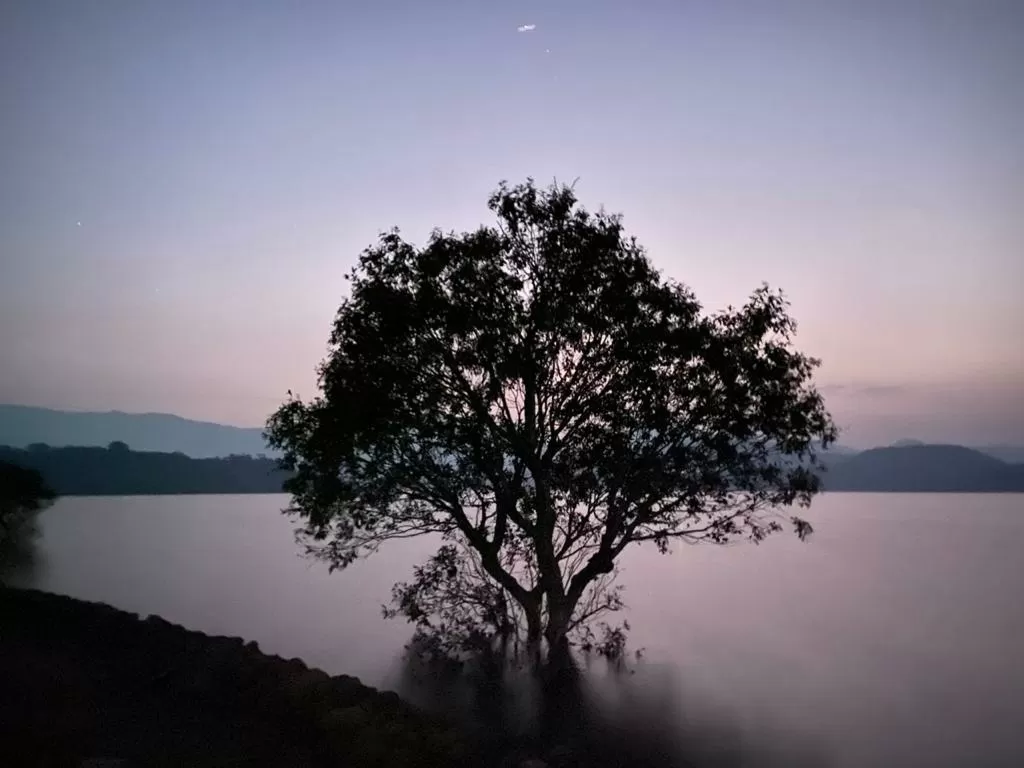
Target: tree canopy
(538, 395)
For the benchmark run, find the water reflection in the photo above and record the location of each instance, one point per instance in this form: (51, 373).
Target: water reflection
(599, 715)
(891, 639)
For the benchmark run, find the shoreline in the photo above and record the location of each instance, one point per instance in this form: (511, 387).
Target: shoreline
(85, 680)
(833, 491)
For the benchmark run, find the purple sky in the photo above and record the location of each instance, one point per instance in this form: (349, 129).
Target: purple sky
(184, 184)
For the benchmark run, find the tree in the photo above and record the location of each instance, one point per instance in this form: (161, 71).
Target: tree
(540, 397)
(23, 494)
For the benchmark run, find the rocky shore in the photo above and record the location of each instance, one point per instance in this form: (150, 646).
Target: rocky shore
(87, 684)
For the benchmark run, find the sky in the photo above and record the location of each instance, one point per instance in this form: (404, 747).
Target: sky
(184, 185)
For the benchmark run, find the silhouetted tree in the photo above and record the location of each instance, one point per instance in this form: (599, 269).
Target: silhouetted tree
(540, 397)
(118, 446)
(23, 494)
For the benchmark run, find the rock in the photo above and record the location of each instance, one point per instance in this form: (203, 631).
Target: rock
(560, 756)
(443, 746)
(352, 723)
(192, 642)
(216, 660)
(157, 622)
(235, 644)
(309, 686)
(367, 750)
(348, 690)
(389, 702)
(345, 721)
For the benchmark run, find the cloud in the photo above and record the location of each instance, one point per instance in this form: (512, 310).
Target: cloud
(527, 28)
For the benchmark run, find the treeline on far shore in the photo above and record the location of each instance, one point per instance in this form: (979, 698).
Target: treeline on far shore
(119, 471)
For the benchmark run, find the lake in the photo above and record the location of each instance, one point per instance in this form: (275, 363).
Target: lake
(893, 637)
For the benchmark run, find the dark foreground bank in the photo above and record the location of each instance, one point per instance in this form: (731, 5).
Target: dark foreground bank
(84, 681)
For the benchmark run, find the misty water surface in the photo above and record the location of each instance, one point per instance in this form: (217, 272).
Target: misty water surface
(893, 637)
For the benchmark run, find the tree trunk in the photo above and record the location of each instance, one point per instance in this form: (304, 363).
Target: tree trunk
(534, 633)
(560, 692)
(557, 633)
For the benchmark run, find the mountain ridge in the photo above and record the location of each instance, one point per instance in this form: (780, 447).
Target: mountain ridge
(117, 470)
(906, 465)
(924, 468)
(23, 425)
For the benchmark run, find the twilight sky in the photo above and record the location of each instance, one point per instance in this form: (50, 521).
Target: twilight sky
(184, 184)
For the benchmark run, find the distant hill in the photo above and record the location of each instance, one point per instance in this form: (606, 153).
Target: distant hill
(21, 426)
(908, 465)
(923, 468)
(907, 443)
(1011, 454)
(120, 471)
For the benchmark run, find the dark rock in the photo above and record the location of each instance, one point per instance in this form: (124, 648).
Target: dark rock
(344, 722)
(349, 690)
(309, 687)
(117, 656)
(560, 757)
(389, 702)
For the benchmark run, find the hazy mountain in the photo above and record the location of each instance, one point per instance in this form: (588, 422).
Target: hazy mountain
(923, 468)
(907, 443)
(906, 466)
(118, 471)
(1012, 454)
(21, 426)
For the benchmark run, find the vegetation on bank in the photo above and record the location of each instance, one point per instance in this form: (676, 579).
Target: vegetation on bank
(91, 471)
(23, 494)
(119, 471)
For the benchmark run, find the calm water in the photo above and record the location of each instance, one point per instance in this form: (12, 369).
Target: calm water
(893, 638)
